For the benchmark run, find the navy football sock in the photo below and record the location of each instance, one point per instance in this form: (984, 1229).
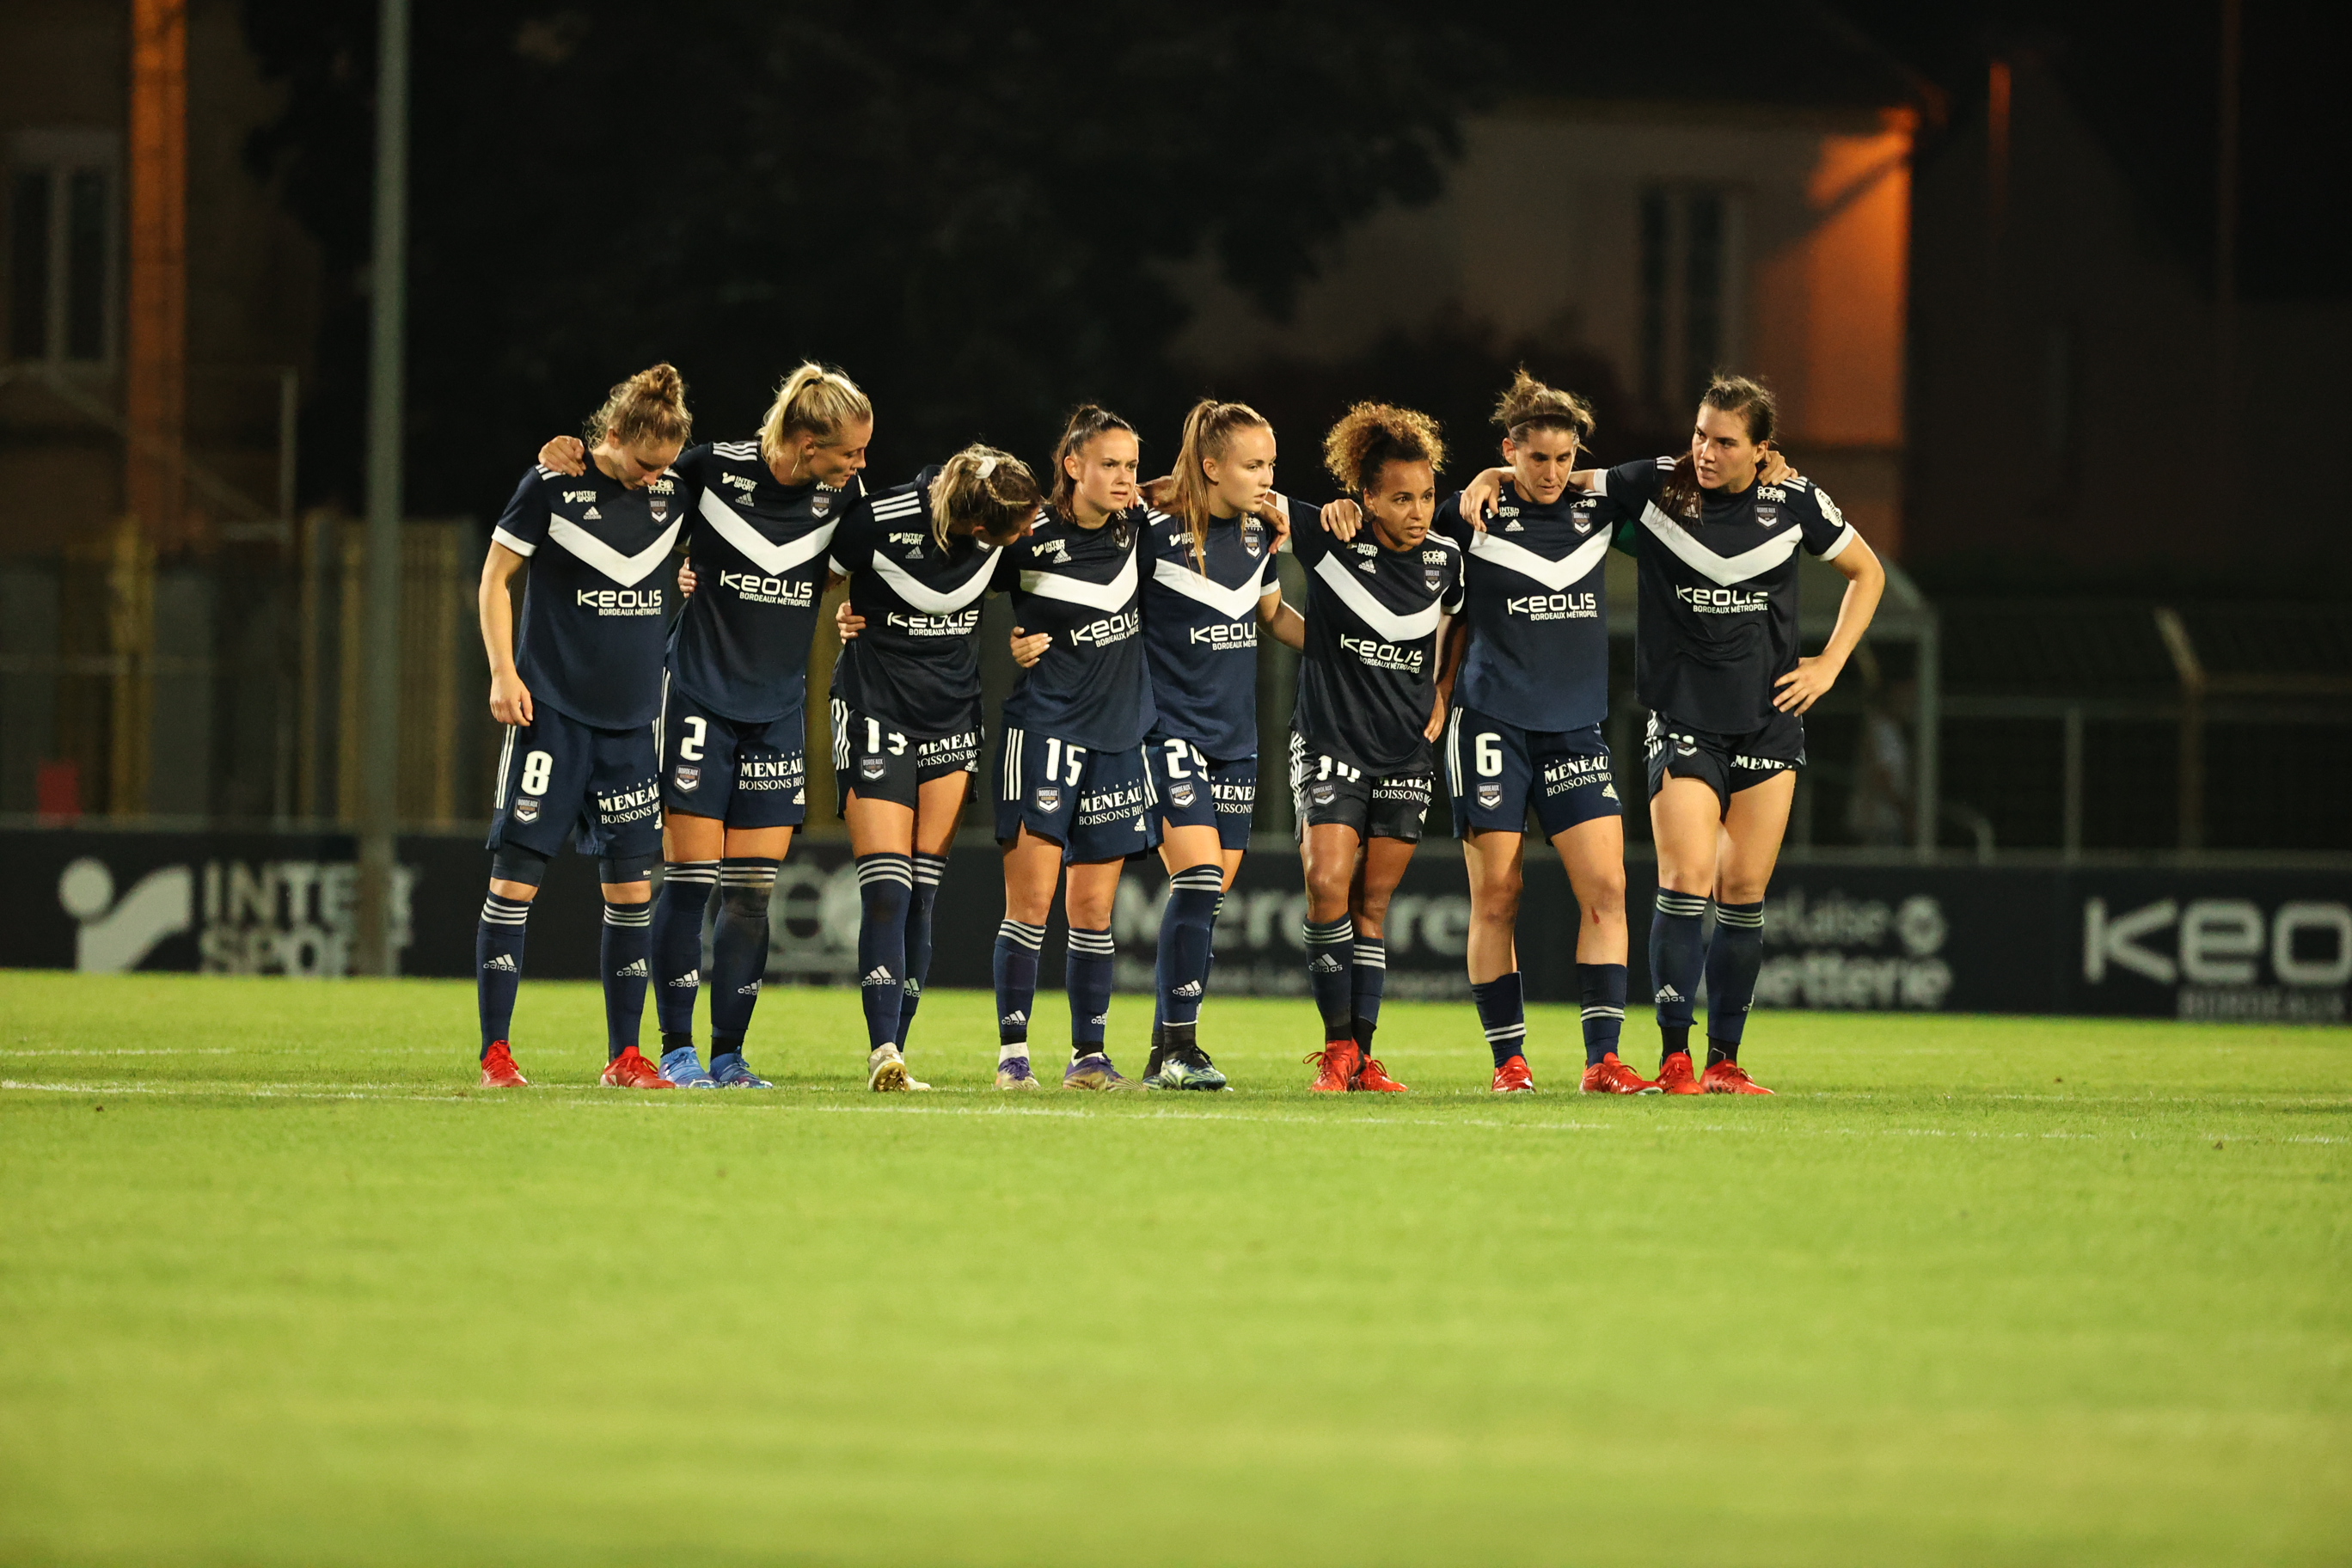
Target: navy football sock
(678, 946)
(1675, 962)
(738, 948)
(1503, 1013)
(1733, 958)
(623, 954)
(1086, 972)
(1185, 927)
(1368, 978)
(1016, 964)
(498, 964)
(886, 885)
(1331, 970)
(1603, 986)
(928, 869)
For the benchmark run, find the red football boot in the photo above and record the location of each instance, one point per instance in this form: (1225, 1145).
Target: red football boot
(1730, 1078)
(631, 1070)
(1675, 1076)
(1338, 1060)
(1610, 1076)
(1374, 1077)
(1513, 1077)
(498, 1069)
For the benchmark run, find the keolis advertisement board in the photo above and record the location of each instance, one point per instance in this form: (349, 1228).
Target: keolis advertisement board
(2257, 945)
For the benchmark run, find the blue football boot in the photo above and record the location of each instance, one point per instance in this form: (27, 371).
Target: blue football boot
(683, 1069)
(731, 1071)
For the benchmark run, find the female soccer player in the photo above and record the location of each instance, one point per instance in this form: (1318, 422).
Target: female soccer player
(578, 692)
(1717, 666)
(1073, 794)
(1212, 582)
(907, 709)
(759, 517)
(1524, 732)
(1371, 700)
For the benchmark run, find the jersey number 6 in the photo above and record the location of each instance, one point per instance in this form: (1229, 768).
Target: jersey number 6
(1488, 749)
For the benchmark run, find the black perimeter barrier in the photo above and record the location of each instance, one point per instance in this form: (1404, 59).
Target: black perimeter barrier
(2191, 941)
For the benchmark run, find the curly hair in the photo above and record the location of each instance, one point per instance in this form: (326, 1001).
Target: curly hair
(1372, 436)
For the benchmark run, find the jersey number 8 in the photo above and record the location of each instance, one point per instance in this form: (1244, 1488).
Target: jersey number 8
(538, 767)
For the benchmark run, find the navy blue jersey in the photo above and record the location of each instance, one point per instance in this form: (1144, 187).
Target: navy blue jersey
(1082, 587)
(1535, 583)
(1199, 630)
(914, 666)
(1368, 681)
(592, 636)
(759, 554)
(1719, 622)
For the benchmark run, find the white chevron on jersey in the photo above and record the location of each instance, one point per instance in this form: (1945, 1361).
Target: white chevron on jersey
(773, 559)
(930, 601)
(1111, 596)
(626, 570)
(1234, 602)
(1727, 570)
(1385, 623)
(1553, 574)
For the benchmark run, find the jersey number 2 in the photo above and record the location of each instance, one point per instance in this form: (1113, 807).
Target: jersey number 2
(689, 745)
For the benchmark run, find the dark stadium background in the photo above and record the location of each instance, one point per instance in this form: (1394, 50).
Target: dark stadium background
(2115, 494)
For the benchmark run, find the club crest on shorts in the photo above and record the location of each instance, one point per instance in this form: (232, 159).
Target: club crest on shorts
(526, 810)
(659, 507)
(1181, 794)
(871, 768)
(1324, 793)
(687, 778)
(1049, 800)
(1490, 796)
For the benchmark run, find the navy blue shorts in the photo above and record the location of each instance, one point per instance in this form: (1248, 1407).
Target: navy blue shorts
(1325, 788)
(1728, 762)
(557, 775)
(1196, 791)
(875, 762)
(1096, 804)
(746, 775)
(1498, 771)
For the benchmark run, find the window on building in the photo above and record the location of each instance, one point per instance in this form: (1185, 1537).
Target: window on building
(1688, 301)
(63, 222)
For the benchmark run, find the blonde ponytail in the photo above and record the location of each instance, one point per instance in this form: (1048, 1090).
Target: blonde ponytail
(815, 400)
(648, 406)
(994, 492)
(1209, 431)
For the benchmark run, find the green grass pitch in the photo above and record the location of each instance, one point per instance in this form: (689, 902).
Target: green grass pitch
(280, 1286)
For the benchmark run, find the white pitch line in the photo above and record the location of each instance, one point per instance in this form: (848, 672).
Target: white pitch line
(132, 1051)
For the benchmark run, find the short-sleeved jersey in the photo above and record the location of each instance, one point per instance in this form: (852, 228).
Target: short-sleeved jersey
(759, 551)
(1537, 597)
(914, 666)
(1200, 629)
(1368, 677)
(1718, 600)
(592, 608)
(1083, 587)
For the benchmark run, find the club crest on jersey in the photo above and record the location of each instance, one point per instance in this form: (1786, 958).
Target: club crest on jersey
(871, 768)
(659, 507)
(1490, 796)
(1049, 800)
(1181, 794)
(1253, 535)
(526, 810)
(1768, 516)
(1432, 575)
(820, 502)
(687, 778)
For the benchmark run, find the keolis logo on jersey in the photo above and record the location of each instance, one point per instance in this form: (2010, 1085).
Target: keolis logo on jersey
(1384, 655)
(1555, 606)
(1721, 601)
(754, 589)
(1227, 633)
(1109, 629)
(956, 625)
(621, 601)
